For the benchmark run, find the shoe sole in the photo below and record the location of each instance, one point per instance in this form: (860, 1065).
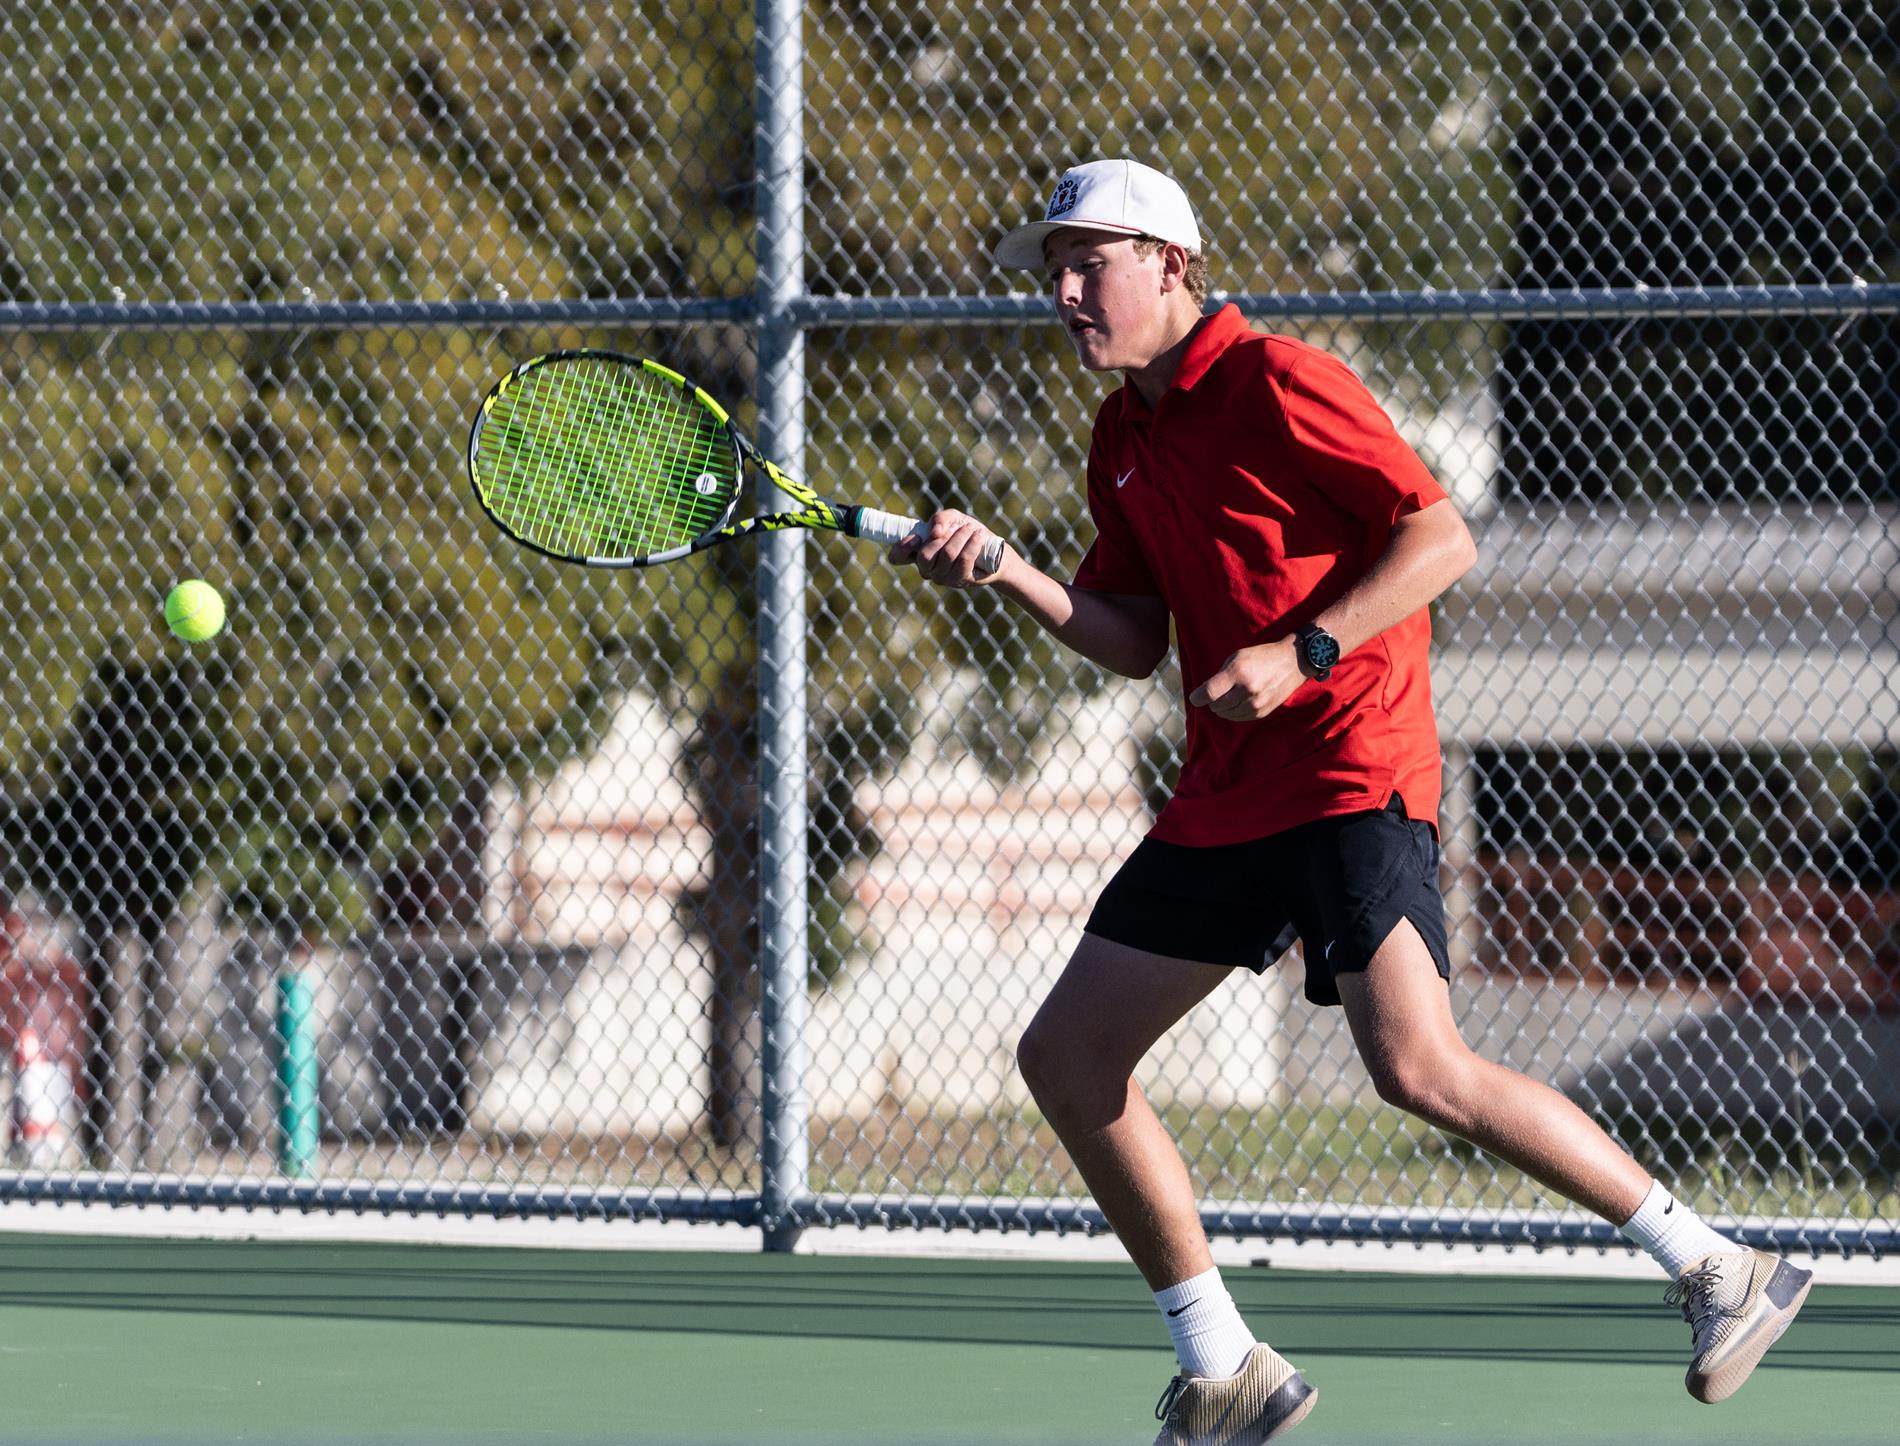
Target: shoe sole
(1726, 1379)
(1296, 1400)
(1296, 1414)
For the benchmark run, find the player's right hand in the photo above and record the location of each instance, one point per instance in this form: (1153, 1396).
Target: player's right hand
(949, 550)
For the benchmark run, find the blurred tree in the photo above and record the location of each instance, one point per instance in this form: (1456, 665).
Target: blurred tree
(386, 656)
(383, 652)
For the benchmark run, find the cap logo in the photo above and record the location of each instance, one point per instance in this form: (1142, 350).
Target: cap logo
(1068, 191)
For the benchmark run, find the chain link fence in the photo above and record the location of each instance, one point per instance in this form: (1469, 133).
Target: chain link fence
(437, 878)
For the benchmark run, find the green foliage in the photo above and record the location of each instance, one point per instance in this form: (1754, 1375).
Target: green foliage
(384, 648)
(1325, 143)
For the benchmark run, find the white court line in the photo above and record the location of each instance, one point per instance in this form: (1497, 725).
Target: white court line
(204, 1223)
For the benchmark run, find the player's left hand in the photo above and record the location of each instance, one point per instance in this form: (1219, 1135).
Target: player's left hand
(1251, 683)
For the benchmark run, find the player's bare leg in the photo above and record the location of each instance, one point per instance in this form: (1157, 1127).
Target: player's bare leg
(1737, 1301)
(1400, 1013)
(1078, 1057)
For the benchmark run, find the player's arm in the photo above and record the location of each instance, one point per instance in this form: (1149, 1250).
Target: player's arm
(1427, 552)
(1125, 634)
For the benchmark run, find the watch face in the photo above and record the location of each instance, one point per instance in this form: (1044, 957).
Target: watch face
(1322, 650)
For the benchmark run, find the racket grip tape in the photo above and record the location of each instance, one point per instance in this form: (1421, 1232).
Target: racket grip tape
(889, 528)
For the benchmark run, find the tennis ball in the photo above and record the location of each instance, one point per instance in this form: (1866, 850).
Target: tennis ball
(194, 611)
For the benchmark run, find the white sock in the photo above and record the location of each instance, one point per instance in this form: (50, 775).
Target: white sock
(1210, 1338)
(1673, 1234)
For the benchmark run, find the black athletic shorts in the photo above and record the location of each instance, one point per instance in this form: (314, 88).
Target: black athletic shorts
(1339, 885)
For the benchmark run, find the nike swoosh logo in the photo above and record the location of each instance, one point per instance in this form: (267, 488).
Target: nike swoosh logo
(1213, 1432)
(1122, 481)
(1670, 1208)
(1189, 1306)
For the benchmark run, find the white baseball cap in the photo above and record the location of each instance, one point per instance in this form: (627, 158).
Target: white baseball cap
(1117, 195)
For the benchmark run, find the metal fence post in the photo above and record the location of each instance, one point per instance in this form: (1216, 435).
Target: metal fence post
(784, 1156)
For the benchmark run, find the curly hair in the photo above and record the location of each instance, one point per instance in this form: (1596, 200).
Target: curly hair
(1196, 279)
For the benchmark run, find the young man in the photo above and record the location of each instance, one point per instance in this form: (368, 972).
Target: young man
(1249, 488)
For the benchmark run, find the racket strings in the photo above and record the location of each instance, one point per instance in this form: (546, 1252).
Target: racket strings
(602, 459)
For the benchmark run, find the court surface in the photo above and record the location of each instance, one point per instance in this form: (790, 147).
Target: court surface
(139, 1340)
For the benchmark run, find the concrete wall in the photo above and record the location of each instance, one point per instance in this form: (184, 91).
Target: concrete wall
(975, 904)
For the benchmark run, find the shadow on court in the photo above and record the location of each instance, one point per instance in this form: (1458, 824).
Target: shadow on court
(122, 1341)
(990, 1303)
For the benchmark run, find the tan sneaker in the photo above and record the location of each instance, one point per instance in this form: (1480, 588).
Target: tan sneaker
(1264, 1399)
(1737, 1304)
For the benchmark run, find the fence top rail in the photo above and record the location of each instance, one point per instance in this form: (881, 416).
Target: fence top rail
(1854, 299)
(1601, 304)
(367, 315)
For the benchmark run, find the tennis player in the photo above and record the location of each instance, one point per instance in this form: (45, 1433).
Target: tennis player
(1248, 488)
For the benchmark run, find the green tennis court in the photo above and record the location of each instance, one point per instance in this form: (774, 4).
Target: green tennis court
(113, 1340)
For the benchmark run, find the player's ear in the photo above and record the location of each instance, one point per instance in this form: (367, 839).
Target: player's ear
(1174, 267)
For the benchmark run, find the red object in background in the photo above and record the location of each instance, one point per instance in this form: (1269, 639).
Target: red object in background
(42, 1041)
(1790, 937)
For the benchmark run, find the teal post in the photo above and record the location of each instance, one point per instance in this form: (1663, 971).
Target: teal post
(297, 1076)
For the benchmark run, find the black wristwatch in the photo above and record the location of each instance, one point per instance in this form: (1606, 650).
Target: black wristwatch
(1319, 651)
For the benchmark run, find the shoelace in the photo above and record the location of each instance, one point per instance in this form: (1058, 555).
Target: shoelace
(1693, 1293)
(1165, 1406)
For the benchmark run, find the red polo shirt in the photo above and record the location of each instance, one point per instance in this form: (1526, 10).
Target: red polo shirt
(1263, 487)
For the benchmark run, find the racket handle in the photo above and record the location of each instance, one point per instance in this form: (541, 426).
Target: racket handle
(889, 528)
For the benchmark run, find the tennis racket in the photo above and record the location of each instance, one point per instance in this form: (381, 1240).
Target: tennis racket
(612, 461)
